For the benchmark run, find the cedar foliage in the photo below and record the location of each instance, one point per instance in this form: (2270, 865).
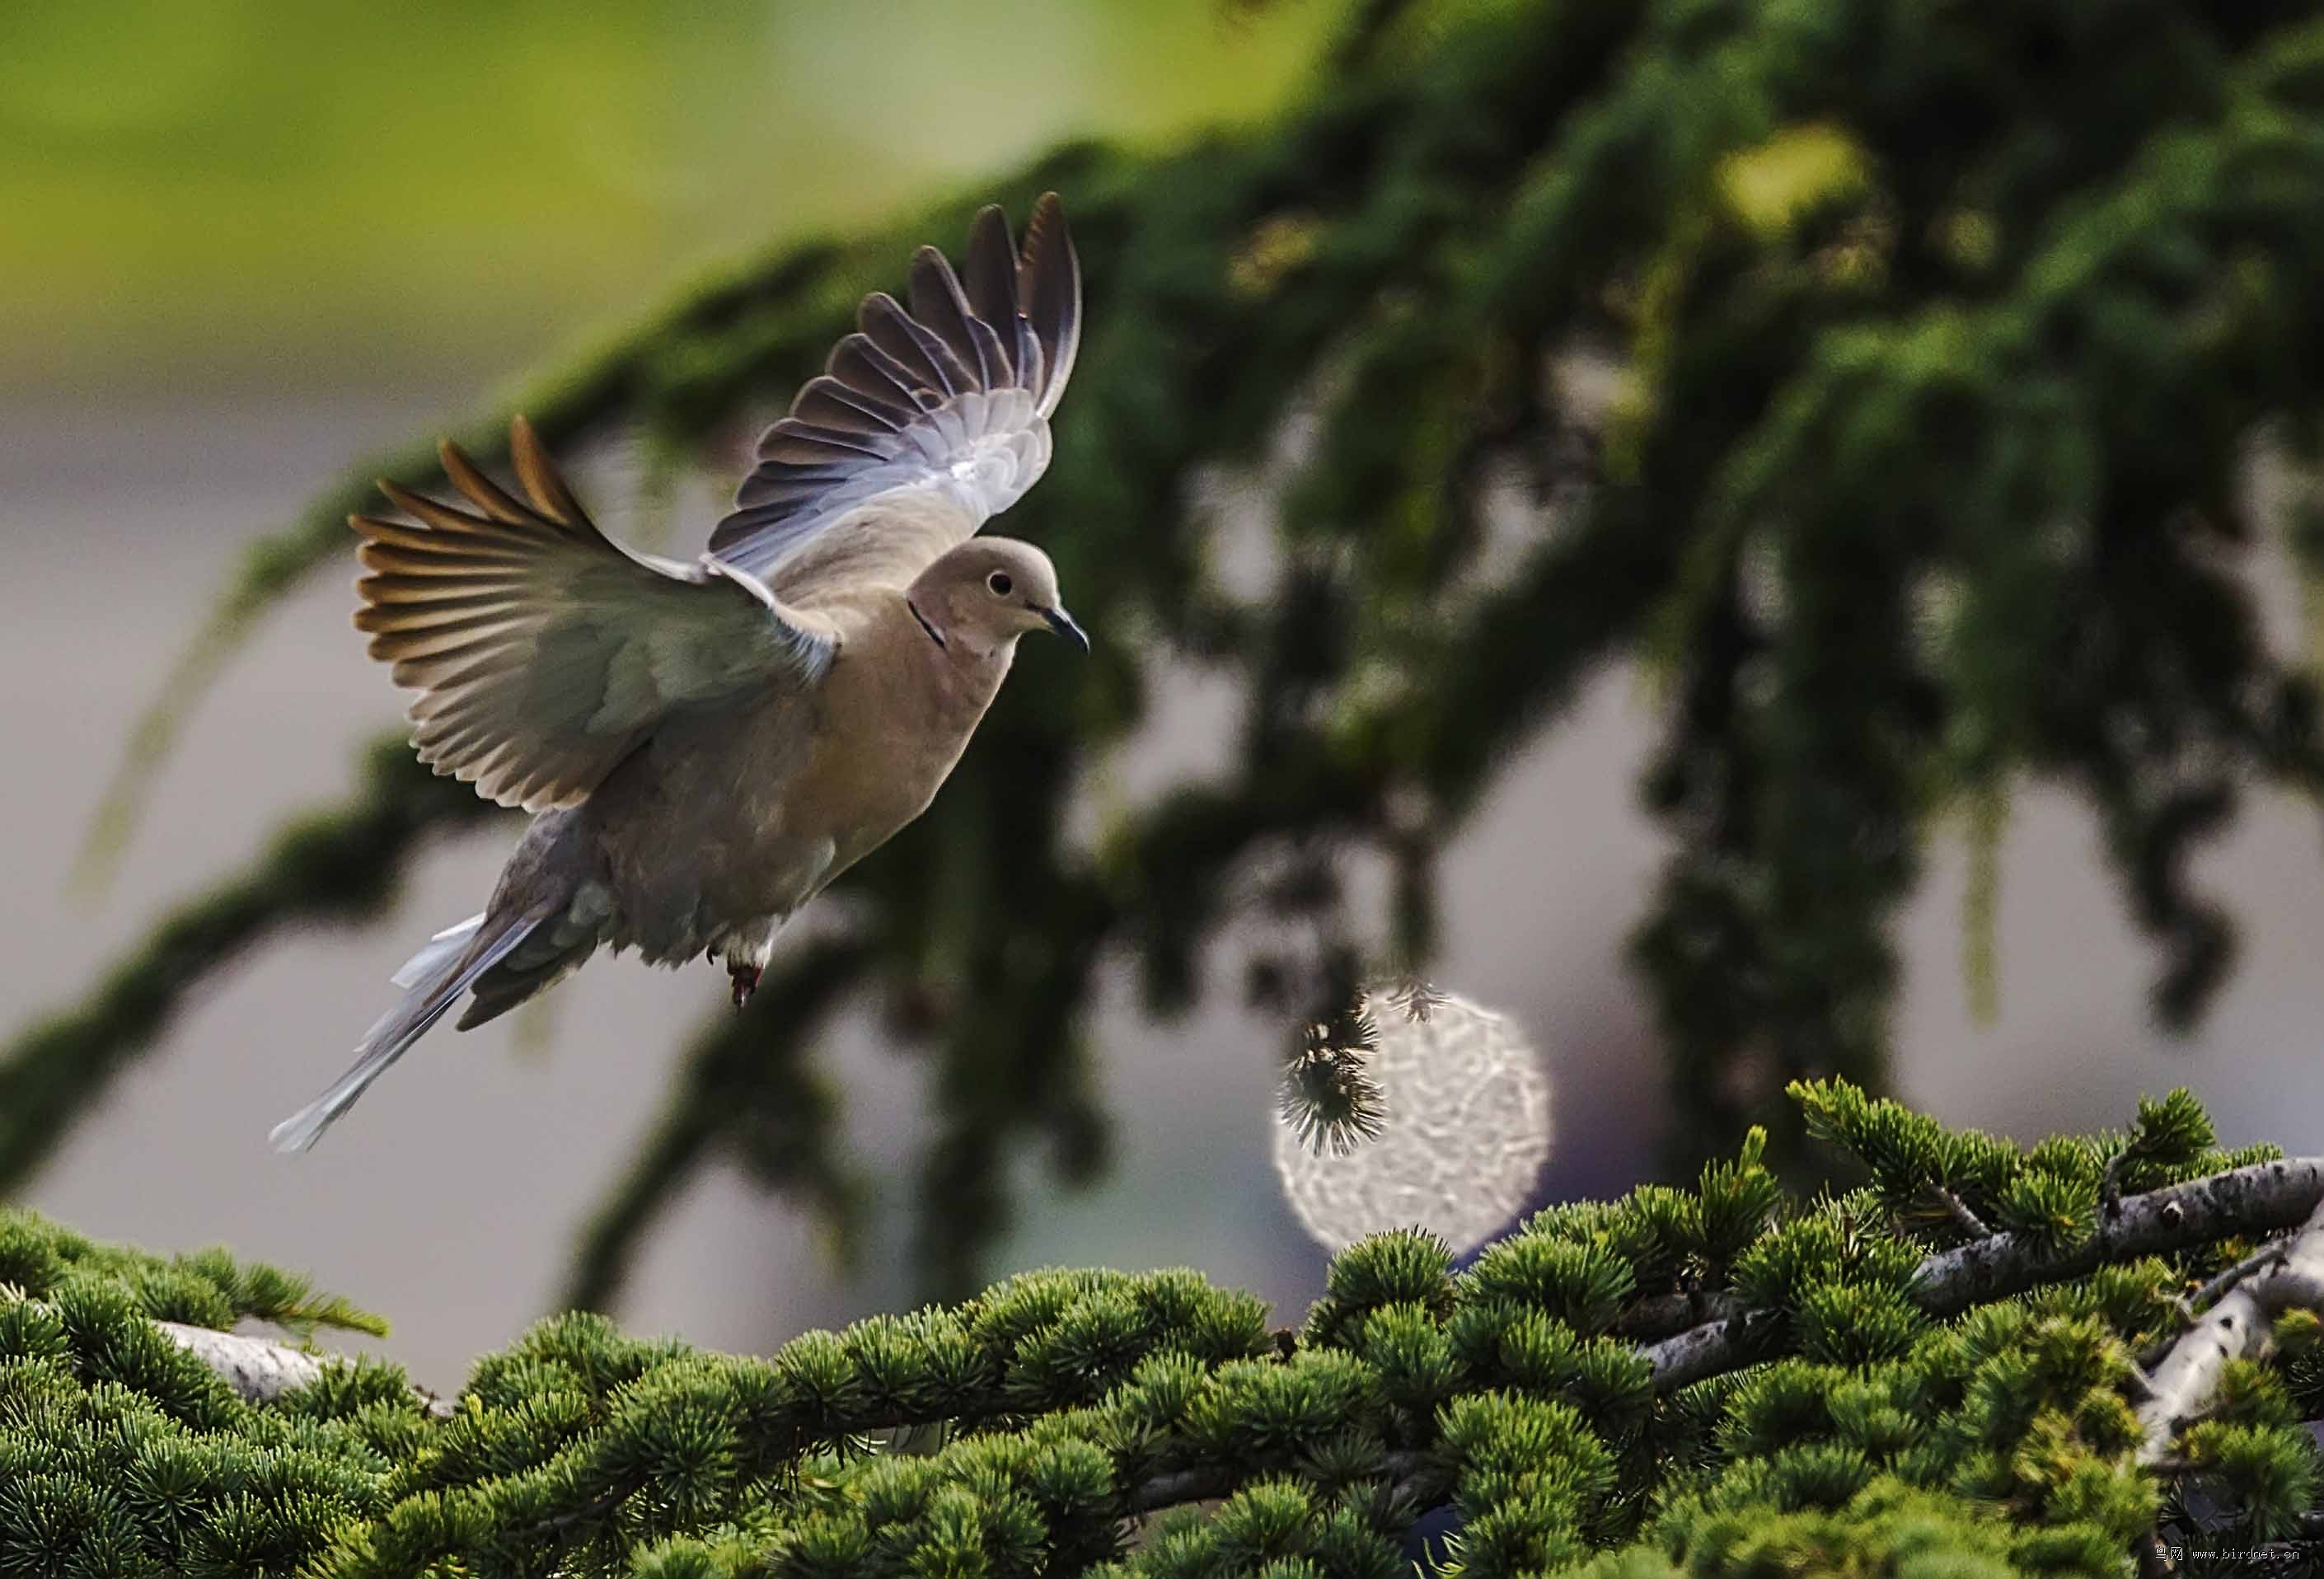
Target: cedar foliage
(1942, 337)
(1056, 1409)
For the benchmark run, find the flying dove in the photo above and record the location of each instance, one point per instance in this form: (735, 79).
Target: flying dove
(706, 746)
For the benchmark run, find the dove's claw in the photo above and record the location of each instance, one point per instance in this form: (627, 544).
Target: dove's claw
(746, 981)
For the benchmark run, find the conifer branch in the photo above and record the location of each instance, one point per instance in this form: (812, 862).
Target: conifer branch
(2262, 1198)
(2259, 1198)
(1103, 1397)
(262, 1372)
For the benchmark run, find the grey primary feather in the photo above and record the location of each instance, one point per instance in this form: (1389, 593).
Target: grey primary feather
(1049, 284)
(992, 271)
(950, 398)
(544, 651)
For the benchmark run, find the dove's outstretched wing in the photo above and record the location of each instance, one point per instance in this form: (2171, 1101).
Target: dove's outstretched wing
(544, 651)
(925, 423)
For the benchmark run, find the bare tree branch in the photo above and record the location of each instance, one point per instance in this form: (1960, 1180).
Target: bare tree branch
(2240, 1326)
(2201, 1300)
(261, 1370)
(1957, 1209)
(1663, 1316)
(1409, 1471)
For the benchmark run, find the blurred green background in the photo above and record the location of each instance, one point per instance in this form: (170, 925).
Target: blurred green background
(224, 190)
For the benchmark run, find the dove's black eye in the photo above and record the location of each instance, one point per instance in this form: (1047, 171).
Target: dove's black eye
(1000, 583)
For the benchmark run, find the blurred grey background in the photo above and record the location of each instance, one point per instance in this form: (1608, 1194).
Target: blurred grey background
(259, 256)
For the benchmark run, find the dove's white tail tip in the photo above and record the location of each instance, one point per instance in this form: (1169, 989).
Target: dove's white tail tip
(433, 979)
(451, 941)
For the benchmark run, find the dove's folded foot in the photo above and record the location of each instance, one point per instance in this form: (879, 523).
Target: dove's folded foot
(746, 980)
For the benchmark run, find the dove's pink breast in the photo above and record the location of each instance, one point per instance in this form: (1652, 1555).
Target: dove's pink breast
(721, 826)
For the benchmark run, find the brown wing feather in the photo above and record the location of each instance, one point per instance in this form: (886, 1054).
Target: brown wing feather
(542, 650)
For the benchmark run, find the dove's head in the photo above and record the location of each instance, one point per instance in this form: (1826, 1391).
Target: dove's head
(991, 590)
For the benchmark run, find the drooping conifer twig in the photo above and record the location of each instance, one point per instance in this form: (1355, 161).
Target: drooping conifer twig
(1328, 1095)
(1417, 998)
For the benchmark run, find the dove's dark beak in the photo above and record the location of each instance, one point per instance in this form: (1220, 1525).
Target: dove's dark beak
(1062, 624)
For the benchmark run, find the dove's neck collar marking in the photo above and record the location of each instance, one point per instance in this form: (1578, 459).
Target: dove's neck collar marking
(935, 635)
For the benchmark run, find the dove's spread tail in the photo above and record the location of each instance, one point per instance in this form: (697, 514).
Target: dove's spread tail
(433, 980)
